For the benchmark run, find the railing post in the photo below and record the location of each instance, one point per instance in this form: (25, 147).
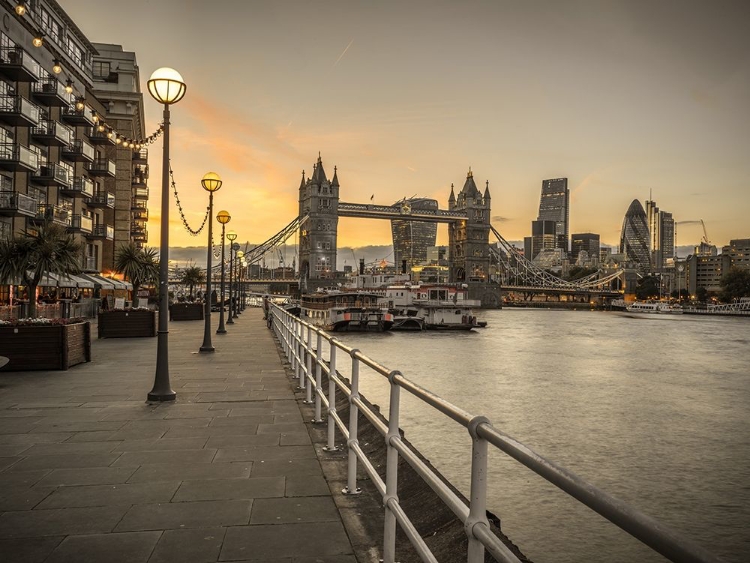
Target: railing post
(301, 356)
(308, 372)
(351, 474)
(391, 471)
(318, 378)
(331, 446)
(478, 506)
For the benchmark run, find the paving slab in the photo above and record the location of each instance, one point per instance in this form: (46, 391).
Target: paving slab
(89, 471)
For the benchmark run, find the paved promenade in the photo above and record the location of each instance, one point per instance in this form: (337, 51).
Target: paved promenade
(90, 472)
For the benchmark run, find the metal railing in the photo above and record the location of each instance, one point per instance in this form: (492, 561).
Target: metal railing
(301, 343)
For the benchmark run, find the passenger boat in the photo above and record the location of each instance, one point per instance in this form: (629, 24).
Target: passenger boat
(341, 311)
(441, 306)
(654, 308)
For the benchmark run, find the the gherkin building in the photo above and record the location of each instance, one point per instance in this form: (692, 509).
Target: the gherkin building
(635, 236)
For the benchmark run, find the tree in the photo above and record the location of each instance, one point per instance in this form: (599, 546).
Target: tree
(192, 276)
(139, 266)
(648, 288)
(735, 284)
(701, 294)
(50, 249)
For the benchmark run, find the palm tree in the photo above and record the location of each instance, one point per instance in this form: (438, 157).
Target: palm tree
(192, 276)
(139, 266)
(37, 253)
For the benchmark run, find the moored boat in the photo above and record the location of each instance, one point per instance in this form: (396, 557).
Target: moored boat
(340, 311)
(655, 308)
(441, 306)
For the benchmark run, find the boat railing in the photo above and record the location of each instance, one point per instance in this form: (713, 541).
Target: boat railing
(302, 343)
(448, 302)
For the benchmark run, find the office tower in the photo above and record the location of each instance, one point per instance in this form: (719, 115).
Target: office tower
(412, 239)
(634, 238)
(661, 235)
(543, 237)
(554, 205)
(588, 242)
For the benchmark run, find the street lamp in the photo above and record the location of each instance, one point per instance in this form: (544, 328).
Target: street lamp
(211, 182)
(223, 217)
(239, 255)
(231, 237)
(167, 87)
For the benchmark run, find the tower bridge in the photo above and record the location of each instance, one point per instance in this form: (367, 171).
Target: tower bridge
(484, 267)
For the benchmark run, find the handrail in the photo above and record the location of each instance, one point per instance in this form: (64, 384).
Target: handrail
(295, 337)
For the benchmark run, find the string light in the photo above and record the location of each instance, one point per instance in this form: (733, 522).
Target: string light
(20, 8)
(69, 86)
(193, 232)
(80, 105)
(56, 66)
(38, 40)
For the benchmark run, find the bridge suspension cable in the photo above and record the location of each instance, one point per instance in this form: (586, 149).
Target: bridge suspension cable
(521, 272)
(255, 254)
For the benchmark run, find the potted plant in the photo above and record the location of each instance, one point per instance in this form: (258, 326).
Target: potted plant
(189, 311)
(41, 343)
(139, 266)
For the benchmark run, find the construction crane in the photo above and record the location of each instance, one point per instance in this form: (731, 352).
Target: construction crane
(705, 234)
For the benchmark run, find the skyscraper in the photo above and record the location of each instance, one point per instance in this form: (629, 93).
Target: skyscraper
(411, 239)
(661, 235)
(588, 242)
(543, 237)
(554, 205)
(634, 239)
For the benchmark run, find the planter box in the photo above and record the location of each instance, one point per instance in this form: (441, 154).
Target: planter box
(127, 324)
(186, 312)
(45, 347)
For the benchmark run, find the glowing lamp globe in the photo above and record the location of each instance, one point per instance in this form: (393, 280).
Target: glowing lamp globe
(166, 85)
(231, 235)
(211, 182)
(223, 217)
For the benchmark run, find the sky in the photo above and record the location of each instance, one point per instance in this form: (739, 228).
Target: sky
(624, 98)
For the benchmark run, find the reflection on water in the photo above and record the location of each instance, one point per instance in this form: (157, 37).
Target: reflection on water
(655, 411)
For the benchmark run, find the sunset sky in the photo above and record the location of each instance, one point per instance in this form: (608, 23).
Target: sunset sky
(622, 97)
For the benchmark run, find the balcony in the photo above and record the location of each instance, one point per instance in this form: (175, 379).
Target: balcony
(18, 111)
(140, 193)
(79, 151)
(139, 214)
(102, 199)
(81, 223)
(101, 137)
(102, 232)
(101, 167)
(51, 92)
(52, 175)
(136, 205)
(76, 116)
(140, 156)
(17, 64)
(140, 171)
(82, 187)
(140, 237)
(53, 214)
(16, 157)
(14, 204)
(52, 133)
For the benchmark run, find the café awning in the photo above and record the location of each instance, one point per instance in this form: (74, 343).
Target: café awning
(98, 281)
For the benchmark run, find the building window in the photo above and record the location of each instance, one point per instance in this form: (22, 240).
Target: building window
(50, 26)
(75, 52)
(6, 231)
(101, 69)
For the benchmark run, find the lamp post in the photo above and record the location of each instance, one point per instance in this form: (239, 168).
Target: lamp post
(211, 182)
(231, 237)
(239, 255)
(223, 217)
(167, 87)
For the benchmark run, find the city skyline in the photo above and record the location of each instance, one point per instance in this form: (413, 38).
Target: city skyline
(622, 98)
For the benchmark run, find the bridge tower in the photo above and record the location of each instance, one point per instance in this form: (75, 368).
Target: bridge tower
(319, 201)
(469, 242)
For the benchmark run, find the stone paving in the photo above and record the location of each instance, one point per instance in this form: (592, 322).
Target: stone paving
(91, 472)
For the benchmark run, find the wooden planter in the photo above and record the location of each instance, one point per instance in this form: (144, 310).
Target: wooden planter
(127, 324)
(186, 312)
(45, 347)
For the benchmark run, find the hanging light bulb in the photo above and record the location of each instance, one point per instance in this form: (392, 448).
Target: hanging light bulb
(96, 117)
(20, 8)
(56, 66)
(109, 134)
(100, 128)
(38, 40)
(80, 105)
(69, 86)
(118, 140)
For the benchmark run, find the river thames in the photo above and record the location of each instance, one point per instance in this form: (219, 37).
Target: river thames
(655, 411)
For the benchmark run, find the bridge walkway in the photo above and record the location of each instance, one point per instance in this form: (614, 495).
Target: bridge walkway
(90, 472)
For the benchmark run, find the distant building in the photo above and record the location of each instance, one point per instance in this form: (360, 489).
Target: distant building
(738, 251)
(706, 272)
(585, 242)
(661, 235)
(705, 249)
(543, 237)
(634, 238)
(412, 239)
(554, 205)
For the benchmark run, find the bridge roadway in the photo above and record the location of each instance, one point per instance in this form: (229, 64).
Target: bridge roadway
(90, 472)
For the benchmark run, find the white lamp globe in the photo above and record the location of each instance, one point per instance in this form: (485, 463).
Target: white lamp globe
(166, 85)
